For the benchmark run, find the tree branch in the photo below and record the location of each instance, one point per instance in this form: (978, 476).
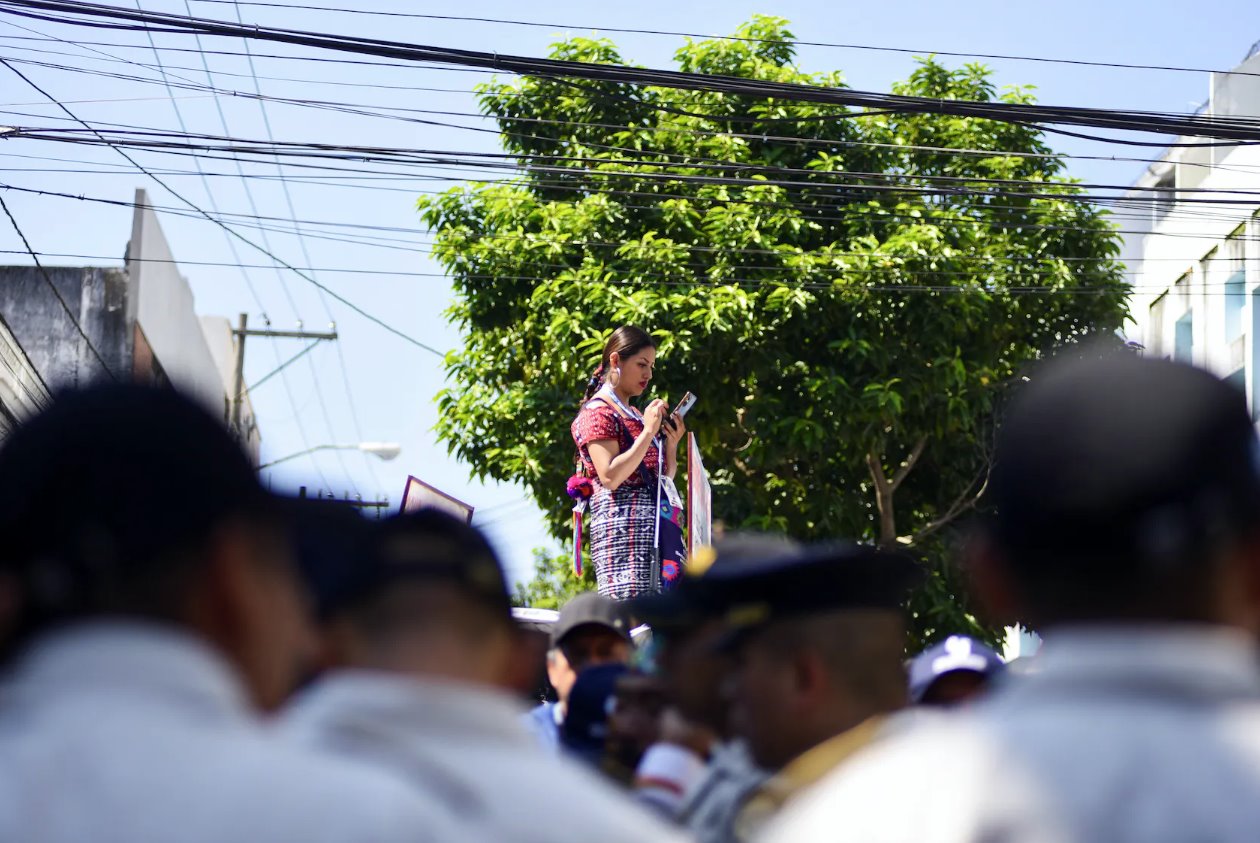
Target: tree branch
(961, 504)
(907, 466)
(883, 500)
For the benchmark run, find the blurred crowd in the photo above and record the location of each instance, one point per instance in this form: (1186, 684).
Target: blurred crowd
(185, 656)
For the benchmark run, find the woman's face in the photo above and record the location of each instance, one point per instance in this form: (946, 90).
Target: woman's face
(636, 371)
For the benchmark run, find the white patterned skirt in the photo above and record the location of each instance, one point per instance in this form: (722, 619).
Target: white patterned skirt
(622, 535)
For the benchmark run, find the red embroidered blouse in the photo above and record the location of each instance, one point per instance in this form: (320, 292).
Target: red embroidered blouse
(599, 420)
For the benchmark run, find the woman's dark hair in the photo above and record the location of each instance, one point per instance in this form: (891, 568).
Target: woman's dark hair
(626, 341)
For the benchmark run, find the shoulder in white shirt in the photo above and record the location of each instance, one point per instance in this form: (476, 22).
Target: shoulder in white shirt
(1123, 736)
(468, 743)
(133, 734)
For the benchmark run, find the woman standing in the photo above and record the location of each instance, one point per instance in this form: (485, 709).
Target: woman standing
(619, 452)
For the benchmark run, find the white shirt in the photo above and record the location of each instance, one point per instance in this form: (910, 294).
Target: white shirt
(1147, 735)
(121, 733)
(469, 743)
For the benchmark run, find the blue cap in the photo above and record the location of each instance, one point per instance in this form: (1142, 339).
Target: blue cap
(585, 728)
(955, 653)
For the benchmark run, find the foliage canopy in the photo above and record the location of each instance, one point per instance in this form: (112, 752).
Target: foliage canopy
(849, 293)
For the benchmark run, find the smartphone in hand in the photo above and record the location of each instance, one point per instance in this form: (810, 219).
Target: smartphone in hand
(684, 405)
(681, 410)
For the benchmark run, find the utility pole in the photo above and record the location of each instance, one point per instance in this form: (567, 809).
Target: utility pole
(238, 379)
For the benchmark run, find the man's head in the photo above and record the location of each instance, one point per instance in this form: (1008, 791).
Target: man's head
(427, 598)
(687, 621)
(132, 502)
(533, 633)
(1126, 489)
(952, 672)
(819, 637)
(801, 681)
(591, 630)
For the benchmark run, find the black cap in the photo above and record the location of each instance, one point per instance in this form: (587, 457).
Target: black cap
(814, 580)
(1123, 458)
(693, 600)
(590, 609)
(110, 479)
(430, 543)
(336, 548)
(421, 545)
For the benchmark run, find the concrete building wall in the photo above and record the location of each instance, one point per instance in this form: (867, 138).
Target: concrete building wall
(96, 298)
(141, 319)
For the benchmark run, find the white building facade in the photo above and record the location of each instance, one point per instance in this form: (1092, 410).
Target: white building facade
(1192, 244)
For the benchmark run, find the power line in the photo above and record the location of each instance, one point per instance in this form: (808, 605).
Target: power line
(1207, 126)
(335, 295)
(808, 213)
(893, 216)
(331, 82)
(279, 370)
(413, 245)
(425, 66)
(842, 183)
(351, 403)
(74, 320)
(833, 271)
(205, 182)
(165, 80)
(284, 286)
(738, 38)
(829, 143)
(552, 164)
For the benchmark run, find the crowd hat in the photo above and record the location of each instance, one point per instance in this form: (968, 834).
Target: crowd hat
(348, 558)
(336, 551)
(812, 580)
(590, 609)
(694, 599)
(957, 653)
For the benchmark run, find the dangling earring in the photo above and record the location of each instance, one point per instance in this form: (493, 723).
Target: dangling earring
(614, 377)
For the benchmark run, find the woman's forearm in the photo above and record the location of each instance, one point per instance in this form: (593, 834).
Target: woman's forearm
(623, 466)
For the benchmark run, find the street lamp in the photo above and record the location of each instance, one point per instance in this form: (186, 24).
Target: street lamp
(384, 450)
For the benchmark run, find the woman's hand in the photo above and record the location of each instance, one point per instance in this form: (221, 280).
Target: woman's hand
(654, 415)
(675, 432)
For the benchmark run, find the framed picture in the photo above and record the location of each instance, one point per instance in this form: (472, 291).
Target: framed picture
(419, 494)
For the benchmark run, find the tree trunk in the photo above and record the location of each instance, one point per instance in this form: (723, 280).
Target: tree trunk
(886, 487)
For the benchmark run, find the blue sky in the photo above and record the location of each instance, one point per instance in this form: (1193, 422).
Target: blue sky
(391, 383)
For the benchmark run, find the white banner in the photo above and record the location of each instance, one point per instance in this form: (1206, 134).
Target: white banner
(699, 501)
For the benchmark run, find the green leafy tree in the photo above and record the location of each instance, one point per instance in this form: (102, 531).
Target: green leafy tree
(553, 584)
(851, 294)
